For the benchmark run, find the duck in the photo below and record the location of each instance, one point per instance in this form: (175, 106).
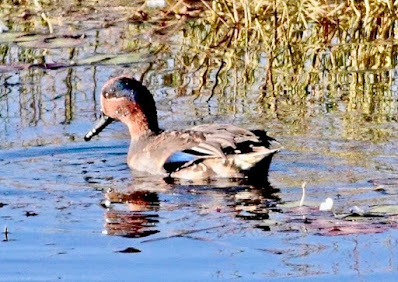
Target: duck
(205, 151)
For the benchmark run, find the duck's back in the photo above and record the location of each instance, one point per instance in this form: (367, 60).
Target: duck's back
(204, 151)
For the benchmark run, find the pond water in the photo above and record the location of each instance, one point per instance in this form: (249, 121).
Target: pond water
(72, 210)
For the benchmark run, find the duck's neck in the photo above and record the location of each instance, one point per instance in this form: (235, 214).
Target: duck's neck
(140, 125)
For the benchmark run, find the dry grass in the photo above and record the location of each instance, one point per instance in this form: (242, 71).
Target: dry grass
(306, 47)
(289, 52)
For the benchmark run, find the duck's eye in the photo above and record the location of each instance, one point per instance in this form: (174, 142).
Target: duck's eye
(110, 93)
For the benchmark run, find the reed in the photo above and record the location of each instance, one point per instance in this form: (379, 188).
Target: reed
(297, 43)
(292, 55)
(333, 36)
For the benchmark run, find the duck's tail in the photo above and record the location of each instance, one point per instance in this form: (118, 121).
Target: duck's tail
(247, 162)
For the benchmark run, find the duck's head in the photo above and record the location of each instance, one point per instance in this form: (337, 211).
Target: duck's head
(125, 99)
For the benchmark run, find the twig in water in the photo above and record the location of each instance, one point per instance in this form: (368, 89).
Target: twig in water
(183, 233)
(5, 234)
(303, 195)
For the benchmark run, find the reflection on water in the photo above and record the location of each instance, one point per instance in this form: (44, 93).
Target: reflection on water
(81, 190)
(335, 115)
(335, 97)
(135, 213)
(138, 220)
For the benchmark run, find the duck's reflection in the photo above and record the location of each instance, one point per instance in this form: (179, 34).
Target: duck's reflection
(134, 212)
(139, 216)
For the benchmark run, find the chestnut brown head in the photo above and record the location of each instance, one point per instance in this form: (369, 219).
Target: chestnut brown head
(125, 99)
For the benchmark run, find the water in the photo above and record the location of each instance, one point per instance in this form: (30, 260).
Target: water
(74, 211)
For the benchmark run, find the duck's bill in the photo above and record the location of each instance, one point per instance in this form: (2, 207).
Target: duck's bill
(103, 122)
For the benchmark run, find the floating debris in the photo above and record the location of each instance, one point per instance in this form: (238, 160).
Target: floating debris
(5, 234)
(30, 213)
(129, 250)
(327, 205)
(357, 211)
(303, 195)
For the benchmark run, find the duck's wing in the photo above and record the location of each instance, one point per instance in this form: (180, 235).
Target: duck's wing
(236, 138)
(244, 149)
(174, 150)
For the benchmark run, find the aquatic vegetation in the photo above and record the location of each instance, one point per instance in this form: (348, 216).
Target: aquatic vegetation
(297, 58)
(304, 43)
(291, 53)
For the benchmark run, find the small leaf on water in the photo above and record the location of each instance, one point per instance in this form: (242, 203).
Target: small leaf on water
(107, 59)
(388, 209)
(94, 59)
(63, 42)
(52, 42)
(9, 37)
(124, 59)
